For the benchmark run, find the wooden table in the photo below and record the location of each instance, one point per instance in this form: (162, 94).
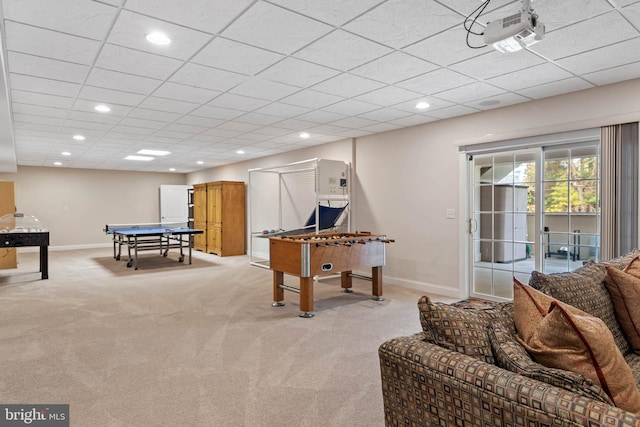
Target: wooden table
(309, 255)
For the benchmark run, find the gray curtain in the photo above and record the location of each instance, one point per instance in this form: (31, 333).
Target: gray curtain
(619, 185)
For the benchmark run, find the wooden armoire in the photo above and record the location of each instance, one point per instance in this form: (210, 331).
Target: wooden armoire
(8, 256)
(218, 210)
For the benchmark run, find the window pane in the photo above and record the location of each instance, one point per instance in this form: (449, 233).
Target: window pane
(556, 196)
(556, 165)
(583, 196)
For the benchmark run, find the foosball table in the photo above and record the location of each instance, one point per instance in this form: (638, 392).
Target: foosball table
(309, 255)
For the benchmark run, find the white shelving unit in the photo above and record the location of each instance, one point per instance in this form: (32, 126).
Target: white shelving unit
(283, 198)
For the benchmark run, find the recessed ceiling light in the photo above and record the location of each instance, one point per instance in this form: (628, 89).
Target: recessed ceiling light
(172, 169)
(200, 162)
(65, 153)
(57, 163)
(139, 158)
(154, 152)
(239, 152)
(79, 137)
(304, 135)
(422, 105)
(102, 108)
(158, 38)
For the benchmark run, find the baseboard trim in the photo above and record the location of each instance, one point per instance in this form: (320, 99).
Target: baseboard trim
(427, 288)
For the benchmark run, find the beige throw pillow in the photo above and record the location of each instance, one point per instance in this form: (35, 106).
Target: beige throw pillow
(624, 289)
(567, 338)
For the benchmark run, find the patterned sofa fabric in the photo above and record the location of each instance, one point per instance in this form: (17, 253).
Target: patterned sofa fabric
(424, 384)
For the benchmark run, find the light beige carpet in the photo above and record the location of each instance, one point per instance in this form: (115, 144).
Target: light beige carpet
(192, 345)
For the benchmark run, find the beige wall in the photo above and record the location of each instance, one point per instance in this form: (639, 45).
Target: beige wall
(75, 204)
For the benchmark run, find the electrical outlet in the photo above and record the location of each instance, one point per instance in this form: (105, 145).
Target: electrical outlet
(451, 213)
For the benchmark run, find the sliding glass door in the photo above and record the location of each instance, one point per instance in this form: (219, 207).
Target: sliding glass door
(531, 209)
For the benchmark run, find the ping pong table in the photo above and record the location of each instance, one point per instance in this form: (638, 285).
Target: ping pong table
(148, 237)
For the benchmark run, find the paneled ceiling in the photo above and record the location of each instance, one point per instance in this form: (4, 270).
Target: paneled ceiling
(252, 75)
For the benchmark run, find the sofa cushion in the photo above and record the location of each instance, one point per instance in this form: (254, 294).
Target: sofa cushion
(622, 261)
(585, 290)
(512, 356)
(625, 295)
(463, 329)
(567, 338)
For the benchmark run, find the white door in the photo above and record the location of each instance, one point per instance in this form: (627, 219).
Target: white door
(174, 204)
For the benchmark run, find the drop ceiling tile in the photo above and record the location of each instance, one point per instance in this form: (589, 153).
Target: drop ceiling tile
(170, 105)
(255, 137)
(555, 88)
(264, 89)
(212, 112)
(224, 133)
(385, 114)
(199, 121)
(185, 93)
(269, 115)
(498, 101)
(110, 96)
(311, 99)
(632, 13)
(274, 131)
(398, 23)
(347, 85)
(532, 76)
(172, 134)
(434, 104)
(50, 44)
(238, 102)
(141, 123)
(92, 116)
(382, 127)
(558, 14)
(256, 25)
(327, 129)
(163, 116)
(38, 110)
(447, 48)
(321, 117)
(585, 36)
(297, 72)
(351, 107)
(237, 57)
(27, 118)
(41, 99)
(47, 86)
(47, 68)
(616, 74)
(603, 58)
(207, 77)
(333, 12)
(132, 130)
(238, 126)
(203, 15)
(131, 29)
(282, 110)
(471, 92)
(37, 126)
(342, 50)
(495, 64)
(293, 124)
(117, 58)
(86, 126)
(87, 19)
(436, 81)
(388, 95)
(453, 111)
(416, 119)
(108, 79)
(186, 129)
(354, 122)
(395, 67)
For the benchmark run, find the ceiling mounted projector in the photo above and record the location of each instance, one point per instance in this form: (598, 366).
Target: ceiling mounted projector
(516, 31)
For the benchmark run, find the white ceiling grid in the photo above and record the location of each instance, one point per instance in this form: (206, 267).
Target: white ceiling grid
(252, 75)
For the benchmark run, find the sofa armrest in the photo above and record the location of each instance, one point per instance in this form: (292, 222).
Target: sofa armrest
(427, 385)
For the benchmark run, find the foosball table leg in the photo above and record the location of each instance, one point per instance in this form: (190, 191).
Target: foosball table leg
(306, 296)
(376, 283)
(346, 282)
(278, 292)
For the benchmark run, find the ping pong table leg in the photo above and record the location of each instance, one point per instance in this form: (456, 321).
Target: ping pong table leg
(189, 244)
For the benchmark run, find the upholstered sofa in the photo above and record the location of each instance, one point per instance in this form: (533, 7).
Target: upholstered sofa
(470, 366)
